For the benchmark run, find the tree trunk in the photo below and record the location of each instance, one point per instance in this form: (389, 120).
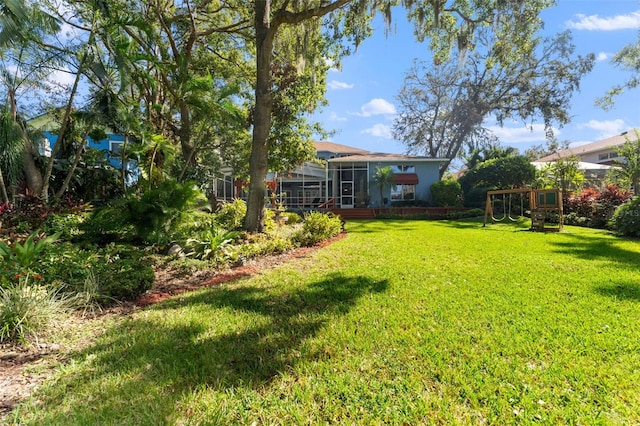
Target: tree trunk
(3, 188)
(72, 169)
(32, 173)
(254, 219)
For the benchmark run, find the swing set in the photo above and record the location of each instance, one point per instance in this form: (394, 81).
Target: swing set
(541, 203)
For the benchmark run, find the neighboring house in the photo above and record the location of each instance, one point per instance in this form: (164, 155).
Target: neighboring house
(344, 176)
(595, 159)
(601, 152)
(111, 146)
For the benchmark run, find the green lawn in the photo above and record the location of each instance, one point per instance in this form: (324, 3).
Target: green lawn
(402, 322)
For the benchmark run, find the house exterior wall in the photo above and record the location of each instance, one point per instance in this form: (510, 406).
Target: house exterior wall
(428, 173)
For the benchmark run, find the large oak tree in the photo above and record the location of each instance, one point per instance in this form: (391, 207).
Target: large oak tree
(444, 106)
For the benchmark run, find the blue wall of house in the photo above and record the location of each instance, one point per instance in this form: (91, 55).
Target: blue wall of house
(102, 145)
(427, 172)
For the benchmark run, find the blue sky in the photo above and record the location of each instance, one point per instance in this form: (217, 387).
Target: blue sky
(362, 95)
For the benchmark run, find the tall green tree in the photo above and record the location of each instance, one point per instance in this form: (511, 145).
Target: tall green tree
(627, 59)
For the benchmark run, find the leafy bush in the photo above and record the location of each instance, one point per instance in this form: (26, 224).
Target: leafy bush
(263, 244)
(120, 272)
(231, 215)
(27, 309)
(593, 208)
(462, 214)
(108, 224)
(126, 279)
(501, 173)
(317, 227)
(446, 193)
(477, 197)
(293, 218)
(67, 225)
(626, 219)
(410, 203)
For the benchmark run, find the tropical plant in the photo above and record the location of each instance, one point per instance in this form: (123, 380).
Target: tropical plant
(383, 178)
(23, 256)
(564, 173)
(156, 210)
(217, 245)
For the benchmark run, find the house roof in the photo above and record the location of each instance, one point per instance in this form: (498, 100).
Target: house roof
(581, 165)
(338, 149)
(603, 145)
(384, 158)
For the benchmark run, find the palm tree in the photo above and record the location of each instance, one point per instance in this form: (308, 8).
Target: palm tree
(383, 178)
(11, 152)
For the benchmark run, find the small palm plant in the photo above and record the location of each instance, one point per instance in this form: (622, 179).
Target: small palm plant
(383, 178)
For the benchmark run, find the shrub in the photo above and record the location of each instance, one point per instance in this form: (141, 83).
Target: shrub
(446, 193)
(66, 224)
(594, 208)
(293, 218)
(410, 203)
(120, 272)
(626, 219)
(231, 215)
(477, 197)
(126, 279)
(108, 224)
(317, 227)
(263, 244)
(27, 309)
(503, 172)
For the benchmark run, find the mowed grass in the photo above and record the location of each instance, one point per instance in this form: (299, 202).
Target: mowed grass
(402, 322)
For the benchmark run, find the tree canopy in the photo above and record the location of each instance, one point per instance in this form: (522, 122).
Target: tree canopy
(443, 107)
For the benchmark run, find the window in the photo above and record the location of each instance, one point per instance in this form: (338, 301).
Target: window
(607, 156)
(403, 192)
(403, 168)
(115, 147)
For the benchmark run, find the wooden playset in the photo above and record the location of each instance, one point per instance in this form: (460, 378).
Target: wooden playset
(541, 203)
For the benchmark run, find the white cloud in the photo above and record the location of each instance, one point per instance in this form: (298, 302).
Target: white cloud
(335, 117)
(606, 128)
(380, 131)
(526, 134)
(377, 106)
(603, 56)
(62, 77)
(339, 85)
(597, 23)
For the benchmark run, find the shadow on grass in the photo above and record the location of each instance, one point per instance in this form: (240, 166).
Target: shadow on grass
(625, 291)
(240, 337)
(596, 247)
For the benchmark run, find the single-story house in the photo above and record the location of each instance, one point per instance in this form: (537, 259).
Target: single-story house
(343, 176)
